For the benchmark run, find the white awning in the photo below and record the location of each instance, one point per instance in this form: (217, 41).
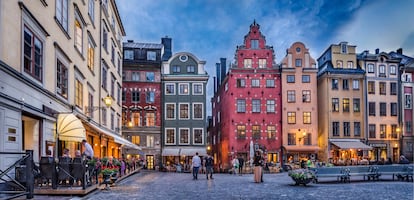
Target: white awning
(192, 151)
(357, 145)
(303, 148)
(70, 128)
(171, 152)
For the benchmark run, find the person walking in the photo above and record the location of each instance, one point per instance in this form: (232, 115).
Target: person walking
(209, 166)
(196, 161)
(88, 149)
(235, 164)
(241, 163)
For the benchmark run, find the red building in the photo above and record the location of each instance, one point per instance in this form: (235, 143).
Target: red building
(247, 104)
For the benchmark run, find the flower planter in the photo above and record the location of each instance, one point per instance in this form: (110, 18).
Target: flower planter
(302, 176)
(302, 181)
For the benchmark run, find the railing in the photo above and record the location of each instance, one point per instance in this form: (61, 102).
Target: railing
(23, 182)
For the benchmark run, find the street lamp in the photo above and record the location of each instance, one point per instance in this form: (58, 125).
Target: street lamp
(108, 102)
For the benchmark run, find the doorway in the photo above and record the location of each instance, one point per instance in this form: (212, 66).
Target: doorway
(150, 162)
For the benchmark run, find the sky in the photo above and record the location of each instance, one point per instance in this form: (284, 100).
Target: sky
(211, 29)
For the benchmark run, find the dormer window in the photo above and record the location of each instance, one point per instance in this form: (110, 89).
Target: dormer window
(254, 44)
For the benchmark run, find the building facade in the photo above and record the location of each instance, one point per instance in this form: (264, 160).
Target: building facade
(299, 105)
(381, 72)
(341, 104)
(184, 119)
(247, 104)
(59, 61)
(141, 103)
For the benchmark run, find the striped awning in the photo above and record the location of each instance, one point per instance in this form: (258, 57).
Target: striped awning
(346, 145)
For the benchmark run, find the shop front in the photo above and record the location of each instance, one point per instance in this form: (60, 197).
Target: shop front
(294, 155)
(348, 152)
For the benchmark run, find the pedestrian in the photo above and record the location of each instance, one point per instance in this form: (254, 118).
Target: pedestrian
(66, 153)
(235, 164)
(196, 161)
(258, 167)
(208, 163)
(88, 149)
(241, 163)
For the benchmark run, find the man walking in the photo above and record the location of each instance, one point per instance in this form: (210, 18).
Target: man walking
(241, 163)
(209, 166)
(196, 165)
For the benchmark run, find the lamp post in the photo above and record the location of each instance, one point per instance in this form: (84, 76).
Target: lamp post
(108, 103)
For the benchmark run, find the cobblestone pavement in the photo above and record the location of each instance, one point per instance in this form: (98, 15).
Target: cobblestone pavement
(158, 185)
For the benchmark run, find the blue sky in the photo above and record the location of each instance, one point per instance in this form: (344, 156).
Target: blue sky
(211, 29)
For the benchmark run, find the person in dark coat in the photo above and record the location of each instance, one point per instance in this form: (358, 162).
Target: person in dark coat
(241, 163)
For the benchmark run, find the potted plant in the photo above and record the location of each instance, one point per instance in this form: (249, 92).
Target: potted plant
(302, 176)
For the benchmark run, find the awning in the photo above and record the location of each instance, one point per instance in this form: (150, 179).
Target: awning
(192, 151)
(357, 145)
(304, 148)
(171, 152)
(70, 128)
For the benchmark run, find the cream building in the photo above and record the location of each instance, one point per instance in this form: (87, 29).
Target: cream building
(300, 105)
(59, 61)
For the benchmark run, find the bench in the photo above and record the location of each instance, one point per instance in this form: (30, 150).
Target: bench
(371, 172)
(338, 172)
(393, 170)
(405, 174)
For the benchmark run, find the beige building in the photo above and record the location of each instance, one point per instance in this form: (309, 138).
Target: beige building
(341, 108)
(59, 61)
(300, 105)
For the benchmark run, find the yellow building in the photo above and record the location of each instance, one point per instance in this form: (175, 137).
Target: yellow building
(59, 61)
(341, 118)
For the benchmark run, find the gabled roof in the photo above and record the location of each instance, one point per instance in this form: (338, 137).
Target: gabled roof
(142, 45)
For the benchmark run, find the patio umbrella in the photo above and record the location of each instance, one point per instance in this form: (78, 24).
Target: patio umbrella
(251, 152)
(70, 128)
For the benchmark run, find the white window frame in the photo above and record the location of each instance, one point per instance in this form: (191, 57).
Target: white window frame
(166, 89)
(129, 54)
(166, 111)
(202, 136)
(202, 111)
(175, 136)
(179, 137)
(179, 111)
(151, 55)
(183, 84)
(194, 89)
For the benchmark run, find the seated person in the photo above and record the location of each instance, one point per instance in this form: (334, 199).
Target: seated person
(403, 160)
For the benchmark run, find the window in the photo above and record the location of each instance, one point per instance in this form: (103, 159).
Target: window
(408, 126)
(135, 96)
(382, 71)
(136, 118)
(135, 76)
(129, 54)
(241, 105)
(169, 88)
(256, 131)
(62, 79)
(255, 44)
(198, 111)
(183, 89)
(78, 36)
(241, 83)
(291, 139)
(247, 63)
(339, 64)
(184, 136)
(62, 13)
(197, 89)
(394, 133)
(334, 84)
(357, 129)
(307, 117)
(305, 79)
(150, 97)
(347, 129)
(91, 10)
(104, 117)
(176, 69)
(119, 93)
(256, 105)
(290, 78)
(356, 105)
(255, 83)
(170, 111)
(91, 54)
(382, 88)
(170, 136)
(371, 130)
(136, 140)
(370, 68)
(123, 96)
(151, 55)
(184, 111)
(90, 104)
(112, 120)
(150, 76)
(355, 84)
(335, 105)
(78, 93)
(407, 102)
(298, 62)
(104, 76)
(112, 86)
(270, 83)
(393, 69)
(383, 132)
(345, 85)
(150, 141)
(371, 87)
(105, 38)
(190, 69)
(291, 118)
(113, 53)
(345, 105)
(393, 88)
(33, 54)
(271, 132)
(383, 109)
(335, 128)
(241, 131)
(262, 63)
(371, 108)
(394, 109)
(306, 96)
(270, 106)
(350, 65)
(291, 96)
(198, 136)
(344, 48)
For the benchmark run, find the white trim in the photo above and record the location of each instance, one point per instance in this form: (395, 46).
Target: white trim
(179, 111)
(202, 110)
(165, 136)
(179, 136)
(188, 89)
(165, 89)
(202, 136)
(202, 88)
(166, 113)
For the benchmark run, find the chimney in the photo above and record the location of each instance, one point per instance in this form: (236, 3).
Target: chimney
(376, 51)
(223, 69)
(167, 43)
(400, 51)
(218, 75)
(130, 41)
(215, 85)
